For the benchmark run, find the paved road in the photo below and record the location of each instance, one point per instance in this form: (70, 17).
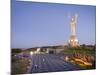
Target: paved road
(51, 63)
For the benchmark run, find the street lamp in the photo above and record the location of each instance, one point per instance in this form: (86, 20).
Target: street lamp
(66, 58)
(31, 53)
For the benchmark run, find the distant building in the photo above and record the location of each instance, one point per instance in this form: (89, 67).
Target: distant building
(49, 49)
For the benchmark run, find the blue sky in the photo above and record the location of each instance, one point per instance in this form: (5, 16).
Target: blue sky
(43, 24)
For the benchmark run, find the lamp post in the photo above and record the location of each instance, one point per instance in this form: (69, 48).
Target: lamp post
(31, 53)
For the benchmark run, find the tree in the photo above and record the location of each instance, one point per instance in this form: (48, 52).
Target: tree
(16, 50)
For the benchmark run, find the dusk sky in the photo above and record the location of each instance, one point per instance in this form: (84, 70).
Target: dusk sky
(47, 24)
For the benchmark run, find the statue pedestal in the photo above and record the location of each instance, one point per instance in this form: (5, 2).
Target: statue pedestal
(73, 42)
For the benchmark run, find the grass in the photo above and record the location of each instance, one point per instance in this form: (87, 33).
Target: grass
(19, 65)
(80, 51)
